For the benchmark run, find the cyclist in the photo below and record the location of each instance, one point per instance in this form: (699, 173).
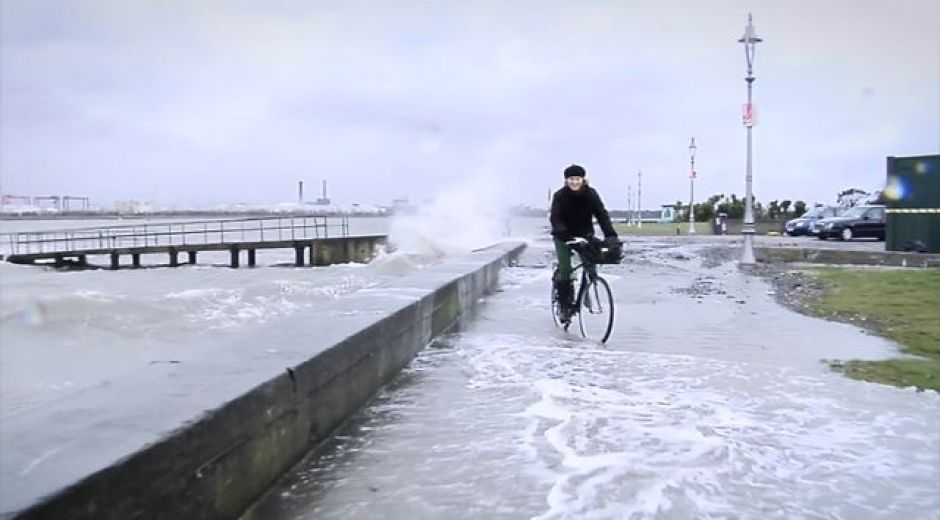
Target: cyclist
(573, 207)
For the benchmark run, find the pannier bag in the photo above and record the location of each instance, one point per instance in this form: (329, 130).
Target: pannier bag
(600, 253)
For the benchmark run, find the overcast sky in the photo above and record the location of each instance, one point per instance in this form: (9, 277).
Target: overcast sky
(198, 103)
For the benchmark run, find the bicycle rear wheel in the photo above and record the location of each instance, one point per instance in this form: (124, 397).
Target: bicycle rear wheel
(596, 310)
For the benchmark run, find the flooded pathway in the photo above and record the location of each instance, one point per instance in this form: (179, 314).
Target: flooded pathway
(709, 401)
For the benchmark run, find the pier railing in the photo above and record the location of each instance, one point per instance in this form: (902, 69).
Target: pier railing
(164, 234)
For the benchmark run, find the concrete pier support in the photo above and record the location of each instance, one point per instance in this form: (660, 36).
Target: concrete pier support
(251, 258)
(317, 255)
(115, 261)
(192, 257)
(135, 260)
(174, 257)
(299, 256)
(234, 256)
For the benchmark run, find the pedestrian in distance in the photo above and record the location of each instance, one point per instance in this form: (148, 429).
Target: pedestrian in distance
(574, 207)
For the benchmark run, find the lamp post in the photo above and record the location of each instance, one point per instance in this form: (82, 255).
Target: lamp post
(750, 41)
(692, 188)
(639, 199)
(629, 205)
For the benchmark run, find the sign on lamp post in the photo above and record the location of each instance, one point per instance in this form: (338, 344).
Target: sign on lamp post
(749, 115)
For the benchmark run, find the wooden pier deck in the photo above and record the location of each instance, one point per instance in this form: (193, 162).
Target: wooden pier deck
(316, 241)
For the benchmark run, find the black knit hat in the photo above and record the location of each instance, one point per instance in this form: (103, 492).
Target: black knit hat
(574, 171)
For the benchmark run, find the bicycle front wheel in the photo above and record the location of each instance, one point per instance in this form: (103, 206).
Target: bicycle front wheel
(556, 308)
(596, 310)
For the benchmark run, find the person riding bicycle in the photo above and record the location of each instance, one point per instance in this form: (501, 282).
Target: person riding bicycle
(573, 207)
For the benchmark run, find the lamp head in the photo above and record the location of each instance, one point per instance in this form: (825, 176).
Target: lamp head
(750, 41)
(750, 35)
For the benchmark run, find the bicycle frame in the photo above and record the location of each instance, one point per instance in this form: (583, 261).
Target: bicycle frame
(589, 302)
(588, 274)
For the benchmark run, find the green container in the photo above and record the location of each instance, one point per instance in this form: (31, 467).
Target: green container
(912, 195)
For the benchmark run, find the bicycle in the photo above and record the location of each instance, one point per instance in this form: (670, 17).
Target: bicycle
(594, 302)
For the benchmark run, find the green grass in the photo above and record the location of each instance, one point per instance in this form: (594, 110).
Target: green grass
(901, 304)
(662, 228)
(701, 228)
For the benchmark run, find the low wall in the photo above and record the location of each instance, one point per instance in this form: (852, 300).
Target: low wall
(204, 439)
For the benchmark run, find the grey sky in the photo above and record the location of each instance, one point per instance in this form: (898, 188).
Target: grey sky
(203, 103)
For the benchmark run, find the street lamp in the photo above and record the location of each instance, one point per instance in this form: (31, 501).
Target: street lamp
(750, 41)
(692, 188)
(639, 199)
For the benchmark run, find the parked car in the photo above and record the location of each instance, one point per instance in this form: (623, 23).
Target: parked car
(803, 225)
(860, 221)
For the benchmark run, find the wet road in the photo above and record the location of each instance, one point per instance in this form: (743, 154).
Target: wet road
(709, 401)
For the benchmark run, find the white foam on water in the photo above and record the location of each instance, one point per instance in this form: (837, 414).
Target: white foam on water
(399, 262)
(632, 435)
(465, 217)
(103, 323)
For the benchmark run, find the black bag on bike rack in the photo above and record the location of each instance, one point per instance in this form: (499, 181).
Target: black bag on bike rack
(598, 252)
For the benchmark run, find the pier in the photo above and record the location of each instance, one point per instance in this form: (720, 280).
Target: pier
(315, 240)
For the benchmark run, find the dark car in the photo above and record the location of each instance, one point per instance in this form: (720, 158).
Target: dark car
(804, 224)
(857, 222)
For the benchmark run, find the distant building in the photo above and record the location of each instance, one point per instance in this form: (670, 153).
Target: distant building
(668, 213)
(324, 200)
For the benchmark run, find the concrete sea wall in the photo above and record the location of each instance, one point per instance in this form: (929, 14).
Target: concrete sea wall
(205, 438)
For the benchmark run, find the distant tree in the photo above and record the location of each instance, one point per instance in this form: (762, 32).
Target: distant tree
(772, 209)
(704, 211)
(785, 207)
(736, 207)
(714, 199)
(799, 207)
(679, 211)
(850, 197)
(722, 205)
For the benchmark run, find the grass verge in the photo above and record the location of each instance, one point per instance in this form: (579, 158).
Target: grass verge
(901, 304)
(662, 229)
(701, 228)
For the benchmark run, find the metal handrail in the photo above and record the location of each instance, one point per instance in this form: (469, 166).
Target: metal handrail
(266, 229)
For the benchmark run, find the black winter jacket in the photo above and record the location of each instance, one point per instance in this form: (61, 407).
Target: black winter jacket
(572, 211)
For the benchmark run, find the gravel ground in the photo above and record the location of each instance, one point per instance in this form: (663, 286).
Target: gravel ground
(794, 288)
(794, 285)
(797, 288)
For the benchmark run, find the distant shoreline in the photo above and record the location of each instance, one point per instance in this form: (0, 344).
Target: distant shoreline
(113, 215)
(648, 215)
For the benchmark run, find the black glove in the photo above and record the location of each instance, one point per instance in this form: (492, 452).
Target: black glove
(614, 249)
